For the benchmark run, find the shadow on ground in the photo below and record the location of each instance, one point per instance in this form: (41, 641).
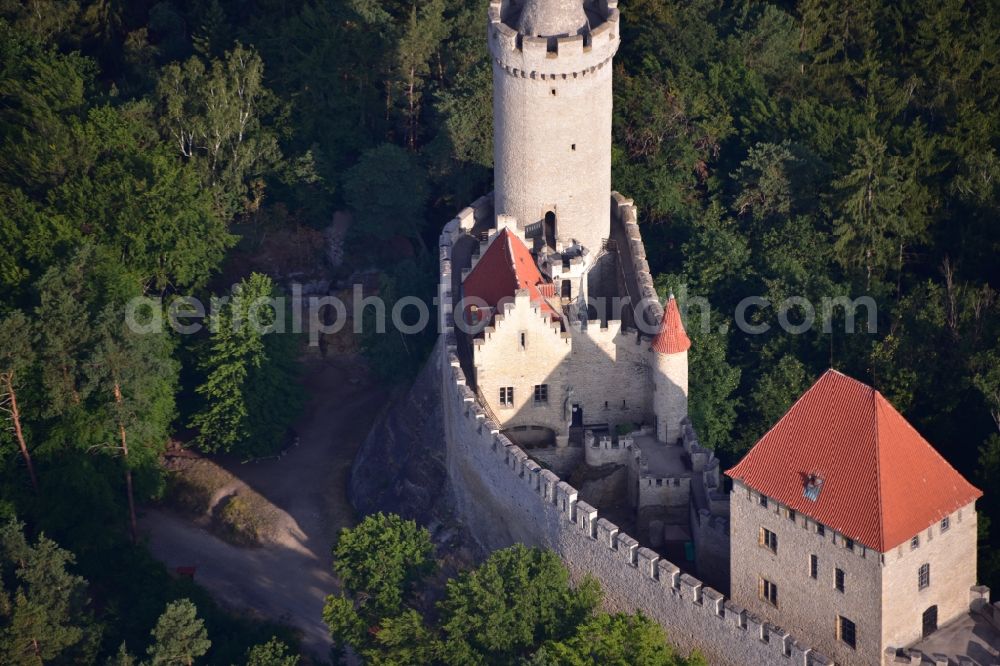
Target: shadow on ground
(287, 578)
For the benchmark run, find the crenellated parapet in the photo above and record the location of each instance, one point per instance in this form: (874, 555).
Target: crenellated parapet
(545, 509)
(549, 58)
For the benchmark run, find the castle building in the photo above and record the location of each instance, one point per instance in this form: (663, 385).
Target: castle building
(849, 528)
(562, 336)
(565, 408)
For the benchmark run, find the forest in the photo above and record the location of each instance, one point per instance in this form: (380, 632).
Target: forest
(175, 148)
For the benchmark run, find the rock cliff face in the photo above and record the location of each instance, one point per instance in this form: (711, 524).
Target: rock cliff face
(400, 467)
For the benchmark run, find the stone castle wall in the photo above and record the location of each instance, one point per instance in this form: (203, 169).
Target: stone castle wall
(951, 555)
(807, 606)
(504, 497)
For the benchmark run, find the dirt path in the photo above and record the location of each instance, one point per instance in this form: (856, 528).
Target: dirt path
(287, 580)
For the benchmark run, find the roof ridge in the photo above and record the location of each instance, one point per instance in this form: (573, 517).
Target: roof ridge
(510, 258)
(879, 504)
(783, 417)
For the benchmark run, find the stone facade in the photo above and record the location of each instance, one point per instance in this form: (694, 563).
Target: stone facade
(603, 371)
(552, 123)
(506, 497)
(881, 594)
(805, 606)
(951, 557)
(670, 394)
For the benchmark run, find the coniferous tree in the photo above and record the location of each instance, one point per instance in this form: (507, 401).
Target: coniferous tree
(250, 387)
(45, 611)
(272, 653)
(179, 636)
(16, 358)
(135, 377)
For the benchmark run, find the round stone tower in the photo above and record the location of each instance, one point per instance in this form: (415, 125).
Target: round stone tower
(552, 116)
(670, 374)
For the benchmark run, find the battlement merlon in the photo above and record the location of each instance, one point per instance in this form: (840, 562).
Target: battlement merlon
(545, 58)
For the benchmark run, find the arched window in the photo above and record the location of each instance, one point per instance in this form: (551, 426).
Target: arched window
(550, 228)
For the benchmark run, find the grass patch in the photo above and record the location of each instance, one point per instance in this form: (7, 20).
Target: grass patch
(245, 520)
(195, 488)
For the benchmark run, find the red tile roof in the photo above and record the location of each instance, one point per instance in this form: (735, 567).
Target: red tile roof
(671, 338)
(505, 267)
(882, 483)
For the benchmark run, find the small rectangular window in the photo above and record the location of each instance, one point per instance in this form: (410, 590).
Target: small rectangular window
(820, 529)
(573, 146)
(846, 631)
(506, 396)
(763, 500)
(945, 524)
(791, 515)
(769, 539)
(813, 566)
(541, 393)
(524, 340)
(915, 542)
(848, 543)
(838, 580)
(768, 592)
(924, 576)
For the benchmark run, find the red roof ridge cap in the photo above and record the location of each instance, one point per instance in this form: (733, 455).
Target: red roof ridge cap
(505, 236)
(878, 469)
(923, 440)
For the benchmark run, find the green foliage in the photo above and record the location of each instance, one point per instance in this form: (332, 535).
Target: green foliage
(713, 408)
(775, 392)
(383, 558)
(44, 612)
(387, 192)
(513, 602)
(404, 639)
(613, 640)
(179, 636)
(394, 355)
(249, 366)
(272, 653)
(818, 148)
(122, 658)
(345, 624)
(212, 117)
(517, 607)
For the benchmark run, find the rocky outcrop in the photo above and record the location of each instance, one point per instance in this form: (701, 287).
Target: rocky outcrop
(400, 467)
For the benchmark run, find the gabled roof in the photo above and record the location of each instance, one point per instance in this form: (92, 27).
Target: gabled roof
(875, 479)
(505, 267)
(671, 338)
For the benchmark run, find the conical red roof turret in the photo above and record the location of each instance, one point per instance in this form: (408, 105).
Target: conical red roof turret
(671, 338)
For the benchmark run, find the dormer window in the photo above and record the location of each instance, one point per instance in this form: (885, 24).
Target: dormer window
(813, 485)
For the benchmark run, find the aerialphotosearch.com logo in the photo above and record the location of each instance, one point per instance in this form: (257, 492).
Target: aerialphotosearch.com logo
(410, 315)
